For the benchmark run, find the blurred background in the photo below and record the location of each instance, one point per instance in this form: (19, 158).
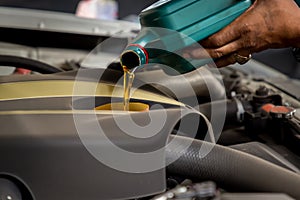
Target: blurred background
(125, 7)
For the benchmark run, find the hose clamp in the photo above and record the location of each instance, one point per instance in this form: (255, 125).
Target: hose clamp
(240, 110)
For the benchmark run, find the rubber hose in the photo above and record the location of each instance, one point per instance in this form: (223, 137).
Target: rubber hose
(231, 169)
(26, 63)
(231, 109)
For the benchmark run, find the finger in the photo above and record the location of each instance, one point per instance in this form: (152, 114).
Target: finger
(231, 59)
(225, 61)
(230, 33)
(226, 49)
(198, 53)
(226, 35)
(230, 48)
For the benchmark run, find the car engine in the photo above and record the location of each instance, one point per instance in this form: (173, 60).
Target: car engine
(234, 133)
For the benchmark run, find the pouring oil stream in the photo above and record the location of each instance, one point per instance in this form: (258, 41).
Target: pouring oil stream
(127, 85)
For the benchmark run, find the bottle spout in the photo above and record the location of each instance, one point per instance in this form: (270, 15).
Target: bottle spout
(134, 56)
(130, 59)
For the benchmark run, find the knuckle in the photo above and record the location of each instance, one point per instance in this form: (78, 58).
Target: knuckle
(245, 43)
(217, 41)
(249, 42)
(246, 28)
(252, 43)
(217, 53)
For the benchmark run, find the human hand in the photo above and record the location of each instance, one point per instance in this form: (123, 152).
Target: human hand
(266, 24)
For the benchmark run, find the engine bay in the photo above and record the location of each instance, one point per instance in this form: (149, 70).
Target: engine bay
(52, 147)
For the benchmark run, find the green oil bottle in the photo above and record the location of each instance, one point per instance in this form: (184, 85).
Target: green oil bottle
(169, 26)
